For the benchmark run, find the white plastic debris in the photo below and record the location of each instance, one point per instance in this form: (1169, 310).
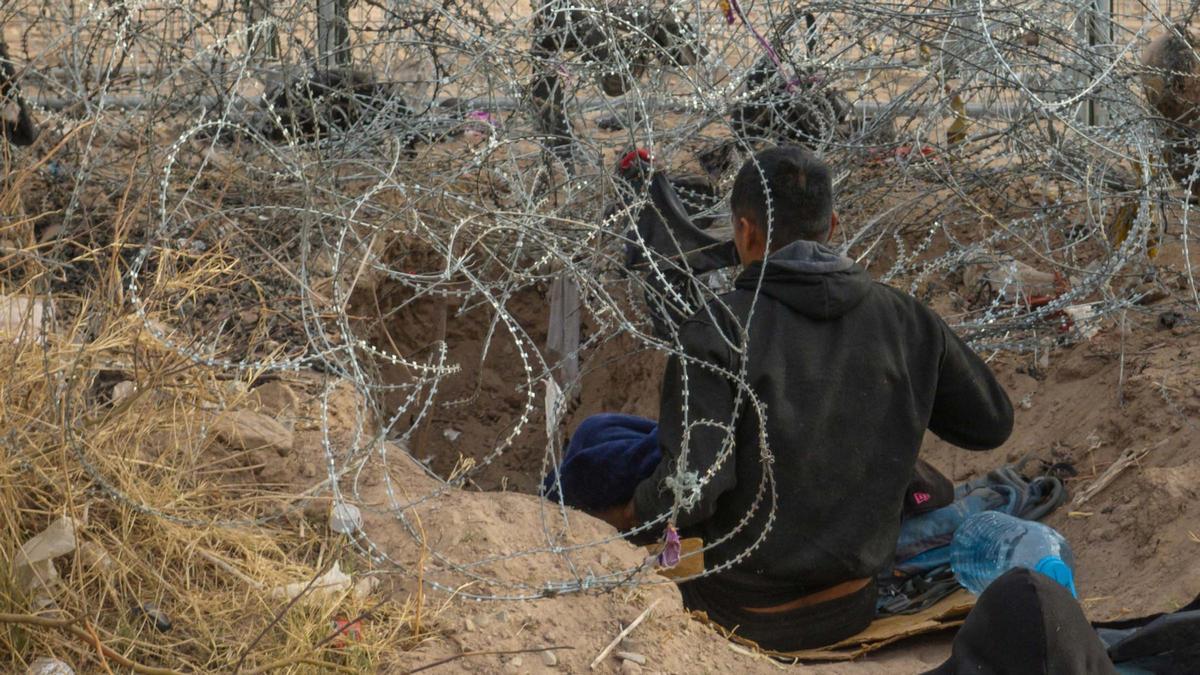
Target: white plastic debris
(49, 666)
(1084, 318)
(553, 400)
(1012, 280)
(345, 518)
(333, 582)
(451, 435)
(33, 566)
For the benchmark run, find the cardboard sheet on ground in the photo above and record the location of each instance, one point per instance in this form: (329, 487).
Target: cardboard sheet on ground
(943, 615)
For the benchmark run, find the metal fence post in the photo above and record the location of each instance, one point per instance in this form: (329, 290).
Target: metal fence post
(1097, 29)
(265, 41)
(566, 317)
(333, 33)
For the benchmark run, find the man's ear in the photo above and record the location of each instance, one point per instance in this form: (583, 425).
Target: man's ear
(833, 225)
(741, 226)
(752, 235)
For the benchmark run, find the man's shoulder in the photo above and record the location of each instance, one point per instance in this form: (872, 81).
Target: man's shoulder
(725, 311)
(887, 293)
(717, 321)
(913, 317)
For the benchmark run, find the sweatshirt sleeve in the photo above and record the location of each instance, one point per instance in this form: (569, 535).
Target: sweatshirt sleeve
(970, 409)
(707, 402)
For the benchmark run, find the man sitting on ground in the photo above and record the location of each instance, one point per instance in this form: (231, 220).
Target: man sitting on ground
(848, 374)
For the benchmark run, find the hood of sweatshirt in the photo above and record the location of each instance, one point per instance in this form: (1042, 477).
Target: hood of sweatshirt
(809, 278)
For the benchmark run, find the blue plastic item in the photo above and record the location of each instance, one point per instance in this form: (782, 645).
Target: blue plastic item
(991, 543)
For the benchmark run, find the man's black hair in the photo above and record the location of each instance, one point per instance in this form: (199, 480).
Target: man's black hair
(800, 187)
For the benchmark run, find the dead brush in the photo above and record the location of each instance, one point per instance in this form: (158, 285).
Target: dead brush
(161, 517)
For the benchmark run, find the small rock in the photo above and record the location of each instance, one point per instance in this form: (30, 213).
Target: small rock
(122, 391)
(451, 435)
(517, 662)
(308, 470)
(161, 621)
(277, 399)
(615, 122)
(632, 656)
(549, 659)
(249, 317)
(251, 431)
(629, 644)
(51, 233)
(630, 668)
(469, 625)
(1167, 320)
(49, 666)
(345, 518)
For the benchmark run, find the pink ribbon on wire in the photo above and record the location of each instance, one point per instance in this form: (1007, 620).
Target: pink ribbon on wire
(669, 556)
(482, 116)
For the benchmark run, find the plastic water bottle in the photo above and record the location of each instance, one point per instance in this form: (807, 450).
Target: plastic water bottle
(991, 543)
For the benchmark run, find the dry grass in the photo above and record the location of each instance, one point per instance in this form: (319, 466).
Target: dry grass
(67, 449)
